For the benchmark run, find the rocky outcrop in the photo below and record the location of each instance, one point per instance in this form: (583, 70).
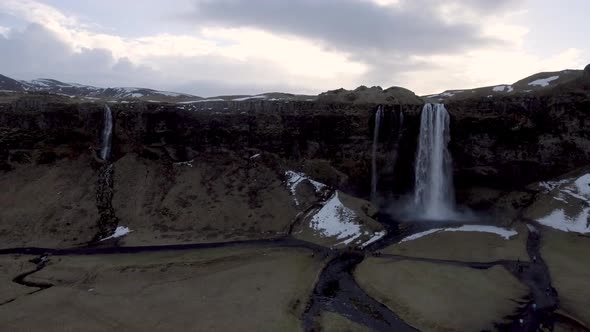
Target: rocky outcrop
(107, 221)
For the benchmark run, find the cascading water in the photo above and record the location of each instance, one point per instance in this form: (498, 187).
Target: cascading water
(374, 177)
(434, 194)
(399, 127)
(107, 133)
(108, 221)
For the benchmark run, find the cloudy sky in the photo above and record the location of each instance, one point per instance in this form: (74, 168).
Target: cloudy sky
(212, 47)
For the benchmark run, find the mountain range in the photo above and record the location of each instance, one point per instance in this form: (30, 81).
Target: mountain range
(539, 82)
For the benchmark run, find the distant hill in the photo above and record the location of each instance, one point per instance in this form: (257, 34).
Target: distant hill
(541, 83)
(74, 90)
(90, 93)
(537, 83)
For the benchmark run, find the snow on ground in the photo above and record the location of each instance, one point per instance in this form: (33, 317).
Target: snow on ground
(579, 189)
(169, 94)
(250, 97)
(503, 88)
(376, 237)
(199, 101)
(559, 220)
(255, 156)
(583, 185)
(40, 82)
(568, 191)
(503, 232)
(294, 179)
(548, 186)
(421, 234)
(185, 163)
(119, 232)
(336, 220)
(544, 81)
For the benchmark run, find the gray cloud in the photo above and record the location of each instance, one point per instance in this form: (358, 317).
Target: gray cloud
(36, 52)
(353, 25)
(384, 38)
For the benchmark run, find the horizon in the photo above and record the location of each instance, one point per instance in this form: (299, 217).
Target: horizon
(213, 48)
(285, 92)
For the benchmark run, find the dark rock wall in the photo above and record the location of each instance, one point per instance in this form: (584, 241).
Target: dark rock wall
(503, 143)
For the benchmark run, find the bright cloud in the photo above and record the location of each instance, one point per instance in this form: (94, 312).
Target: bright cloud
(252, 46)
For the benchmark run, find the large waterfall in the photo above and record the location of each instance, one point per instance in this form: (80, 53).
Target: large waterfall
(107, 133)
(434, 194)
(374, 177)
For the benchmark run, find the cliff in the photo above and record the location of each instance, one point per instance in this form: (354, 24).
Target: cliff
(501, 142)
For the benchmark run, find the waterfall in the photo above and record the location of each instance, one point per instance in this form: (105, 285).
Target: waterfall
(107, 133)
(399, 126)
(434, 194)
(374, 178)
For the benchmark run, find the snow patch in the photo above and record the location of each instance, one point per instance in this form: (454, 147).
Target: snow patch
(294, 179)
(255, 156)
(583, 185)
(376, 237)
(544, 81)
(250, 97)
(169, 94)
(579, 189)
(421, 234)
(185, 163)
(120, 231)
(336, 220)
(503, 88)
(559, 220)
(551, 185)
(503, 232)
(199, 101)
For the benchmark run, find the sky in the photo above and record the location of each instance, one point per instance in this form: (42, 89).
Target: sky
(216, 47)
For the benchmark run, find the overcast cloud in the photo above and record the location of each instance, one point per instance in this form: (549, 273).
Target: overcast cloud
(210, 47)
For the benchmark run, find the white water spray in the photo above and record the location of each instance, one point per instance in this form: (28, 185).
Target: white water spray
(434, 194)
(374, 177)
(107, 133)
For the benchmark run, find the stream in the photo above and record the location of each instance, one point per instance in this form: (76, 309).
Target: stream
(336, 289)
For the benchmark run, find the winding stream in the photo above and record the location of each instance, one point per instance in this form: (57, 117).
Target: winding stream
(336, 289)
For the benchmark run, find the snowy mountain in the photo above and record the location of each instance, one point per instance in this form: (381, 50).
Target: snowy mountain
(73, 90)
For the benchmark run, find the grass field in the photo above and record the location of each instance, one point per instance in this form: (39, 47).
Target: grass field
(246, 289)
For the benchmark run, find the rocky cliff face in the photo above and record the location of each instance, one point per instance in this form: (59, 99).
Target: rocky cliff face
(502, 143)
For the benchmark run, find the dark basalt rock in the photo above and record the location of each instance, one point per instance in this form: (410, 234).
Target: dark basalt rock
(502, 142)
(587, 71)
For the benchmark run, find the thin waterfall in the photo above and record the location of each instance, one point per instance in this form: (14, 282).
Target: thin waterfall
(398, 127)
(107, 133)
(374, 177)
(434, 194)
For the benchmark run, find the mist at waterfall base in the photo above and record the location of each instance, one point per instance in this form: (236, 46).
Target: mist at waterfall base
(433, 197)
